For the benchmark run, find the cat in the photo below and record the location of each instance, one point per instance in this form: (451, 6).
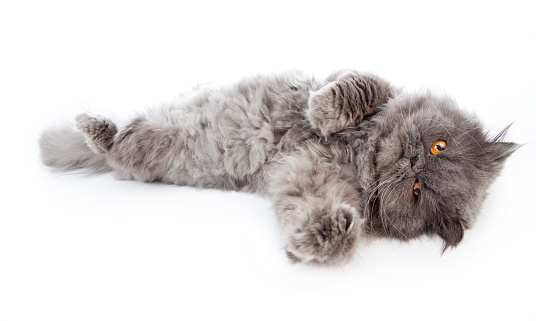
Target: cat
(342, 158)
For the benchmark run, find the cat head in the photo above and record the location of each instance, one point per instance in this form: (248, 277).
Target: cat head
(435, 164)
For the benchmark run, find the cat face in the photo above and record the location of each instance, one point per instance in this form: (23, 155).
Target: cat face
(434, 164)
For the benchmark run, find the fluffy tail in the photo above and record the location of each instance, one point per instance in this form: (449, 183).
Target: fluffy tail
(66, 148)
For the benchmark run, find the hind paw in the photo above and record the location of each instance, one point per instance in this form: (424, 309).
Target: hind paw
(99, 131)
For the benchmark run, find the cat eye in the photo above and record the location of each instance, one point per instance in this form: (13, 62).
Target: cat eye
(438, 146)
(416, 189)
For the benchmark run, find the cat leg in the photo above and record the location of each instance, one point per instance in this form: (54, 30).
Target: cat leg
(346, 100)
(317, 207)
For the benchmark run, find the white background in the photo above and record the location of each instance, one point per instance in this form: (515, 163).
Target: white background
(92, 248)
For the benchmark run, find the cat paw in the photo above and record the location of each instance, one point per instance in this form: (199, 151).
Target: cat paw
(325, 111)
(99, 131)
(326, 240)
(346, 101)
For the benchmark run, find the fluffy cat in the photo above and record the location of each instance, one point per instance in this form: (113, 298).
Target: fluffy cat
(342, 158)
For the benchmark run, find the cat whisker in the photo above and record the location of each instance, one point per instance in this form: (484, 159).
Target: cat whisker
(384, 225)
(387, 216)
(370, 208)
(382, 208)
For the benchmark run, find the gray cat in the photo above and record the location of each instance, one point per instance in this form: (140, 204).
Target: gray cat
(343, 158)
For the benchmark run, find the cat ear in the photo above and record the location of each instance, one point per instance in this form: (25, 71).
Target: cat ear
(451, 231)
(497, 151)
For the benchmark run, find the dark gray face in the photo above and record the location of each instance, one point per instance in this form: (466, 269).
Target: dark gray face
(434, 164)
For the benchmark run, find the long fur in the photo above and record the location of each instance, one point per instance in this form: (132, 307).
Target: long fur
(340, 157)
(65, 148)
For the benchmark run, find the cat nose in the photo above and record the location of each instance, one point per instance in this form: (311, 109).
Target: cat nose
(413, 160)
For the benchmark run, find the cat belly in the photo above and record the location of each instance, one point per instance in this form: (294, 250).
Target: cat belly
(222, 144)
(214, 137)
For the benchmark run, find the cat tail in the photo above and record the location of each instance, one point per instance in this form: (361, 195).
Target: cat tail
(82, 148)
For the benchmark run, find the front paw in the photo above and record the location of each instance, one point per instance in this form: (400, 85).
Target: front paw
(326, 110)
(328, 239)
(346, 101)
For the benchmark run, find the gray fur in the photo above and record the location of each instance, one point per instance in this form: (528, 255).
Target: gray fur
(338, 157)
(65, 148)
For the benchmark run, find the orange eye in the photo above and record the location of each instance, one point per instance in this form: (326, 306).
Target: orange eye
(438, 146)
(416, 189)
